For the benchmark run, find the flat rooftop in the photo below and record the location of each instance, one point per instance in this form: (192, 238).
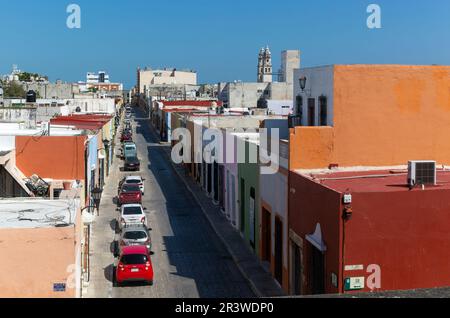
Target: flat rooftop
(363, 181)
(13, 129)
(36, 213)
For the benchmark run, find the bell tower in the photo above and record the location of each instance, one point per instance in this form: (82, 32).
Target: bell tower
(265, 66)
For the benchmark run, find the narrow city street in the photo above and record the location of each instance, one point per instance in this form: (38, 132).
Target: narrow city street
(189, 259)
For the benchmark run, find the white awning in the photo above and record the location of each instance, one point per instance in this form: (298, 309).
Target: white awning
(316, 239)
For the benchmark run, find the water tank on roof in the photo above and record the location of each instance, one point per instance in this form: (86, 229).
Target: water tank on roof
(31, 96)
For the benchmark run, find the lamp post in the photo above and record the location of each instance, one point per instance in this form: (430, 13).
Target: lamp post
(302, 81)
(97, 195)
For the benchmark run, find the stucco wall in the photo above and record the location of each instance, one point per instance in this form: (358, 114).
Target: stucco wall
(60, 158)
(34, 259)
(383, 116)
(309, 204)
(406, 233)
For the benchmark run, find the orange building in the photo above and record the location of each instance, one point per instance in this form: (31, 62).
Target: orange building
(370, 115)
(59, 158)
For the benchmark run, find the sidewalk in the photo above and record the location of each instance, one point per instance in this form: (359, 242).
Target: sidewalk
(261, 282)
(101, 258)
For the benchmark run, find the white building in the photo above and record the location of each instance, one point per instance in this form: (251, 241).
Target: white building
(101, 77)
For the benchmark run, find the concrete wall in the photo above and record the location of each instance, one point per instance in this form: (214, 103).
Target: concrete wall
(290, 60)
(26, 115)
(51, 90)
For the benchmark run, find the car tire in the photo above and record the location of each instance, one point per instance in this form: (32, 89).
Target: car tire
(114, 278)
(150, 283)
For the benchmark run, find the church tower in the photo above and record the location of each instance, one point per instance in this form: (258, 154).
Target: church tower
(265, 66)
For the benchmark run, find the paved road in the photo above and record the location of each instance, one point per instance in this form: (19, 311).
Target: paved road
(189, 260)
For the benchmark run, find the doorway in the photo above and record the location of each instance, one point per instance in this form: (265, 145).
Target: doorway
(296, 261)
(317, 271)
(266, 235)
(279, 250)
(242, 206)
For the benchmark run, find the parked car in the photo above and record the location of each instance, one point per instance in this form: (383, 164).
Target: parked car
(131, 214)
(134, 235)
(129, 149)
(134, 180)
(134, 265)
(130, 194)
(132, 164)
(126, 136)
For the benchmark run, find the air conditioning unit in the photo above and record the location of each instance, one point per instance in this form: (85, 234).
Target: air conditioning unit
(421, 172)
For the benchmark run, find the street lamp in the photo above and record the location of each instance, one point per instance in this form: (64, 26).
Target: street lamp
(302, 81)
(97, 195)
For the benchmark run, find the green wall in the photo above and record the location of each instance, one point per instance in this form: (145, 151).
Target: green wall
(249, 172)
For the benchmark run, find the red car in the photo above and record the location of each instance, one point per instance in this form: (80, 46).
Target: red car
(135, 265)
(130, 194)
(126, 136)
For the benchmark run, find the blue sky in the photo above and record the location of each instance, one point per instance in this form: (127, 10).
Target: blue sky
(219, 39)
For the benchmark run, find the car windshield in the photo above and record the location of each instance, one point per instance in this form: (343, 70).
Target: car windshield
(132, 210)
(134, 259)
(135, 235)
(132, 159)
(130, 188)
(133, 181)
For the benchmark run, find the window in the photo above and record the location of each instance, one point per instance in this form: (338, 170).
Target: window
(323, 110)
(311, 112)
(299, 106)
(135, 235)
(134, 259)
(132, 211)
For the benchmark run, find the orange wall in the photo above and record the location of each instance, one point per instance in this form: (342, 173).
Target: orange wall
(33, 259)
(383, 115)
(60, 158)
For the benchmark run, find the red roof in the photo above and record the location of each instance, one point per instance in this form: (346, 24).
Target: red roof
(182, 110)
(197, 103)
(375, 181)
(91, 122)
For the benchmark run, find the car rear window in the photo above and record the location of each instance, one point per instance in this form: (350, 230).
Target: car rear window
(130, 188)
(134, 259)
(133, 181)
(135, 235)
(133, 210)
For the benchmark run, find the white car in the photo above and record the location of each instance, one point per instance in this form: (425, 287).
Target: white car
(134, 180)
(131, 214)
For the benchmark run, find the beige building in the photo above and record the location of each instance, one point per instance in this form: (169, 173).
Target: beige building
(40, 244)
(147, 78)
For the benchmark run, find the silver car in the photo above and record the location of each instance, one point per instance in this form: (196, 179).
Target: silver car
(133, 235)
(131, 214)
